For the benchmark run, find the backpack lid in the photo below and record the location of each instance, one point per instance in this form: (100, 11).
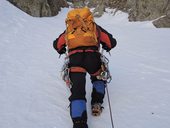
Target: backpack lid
(81, 12)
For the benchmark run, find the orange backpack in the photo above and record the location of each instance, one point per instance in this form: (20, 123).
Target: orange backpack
(80, 28)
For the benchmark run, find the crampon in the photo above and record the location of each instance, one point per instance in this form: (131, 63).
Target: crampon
(96, 109)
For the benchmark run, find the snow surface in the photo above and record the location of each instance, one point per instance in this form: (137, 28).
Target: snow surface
(33, 95)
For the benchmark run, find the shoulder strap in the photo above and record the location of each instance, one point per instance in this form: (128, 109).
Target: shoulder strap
(99, 33)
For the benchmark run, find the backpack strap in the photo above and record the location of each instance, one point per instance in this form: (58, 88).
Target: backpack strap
(98, 32)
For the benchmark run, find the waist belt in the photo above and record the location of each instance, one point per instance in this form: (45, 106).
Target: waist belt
(80, 51)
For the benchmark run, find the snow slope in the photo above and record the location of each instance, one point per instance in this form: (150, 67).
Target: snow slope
(32, 94)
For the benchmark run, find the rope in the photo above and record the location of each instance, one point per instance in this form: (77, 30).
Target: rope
(110, 109)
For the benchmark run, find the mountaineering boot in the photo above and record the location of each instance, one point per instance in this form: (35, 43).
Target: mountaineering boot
(96, 109)
(78, 113)
(80, 125)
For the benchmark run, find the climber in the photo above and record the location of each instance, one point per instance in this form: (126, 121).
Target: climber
(82, 40)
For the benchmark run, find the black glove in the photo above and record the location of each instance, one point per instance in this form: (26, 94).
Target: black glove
(62, 50)
(106, 48)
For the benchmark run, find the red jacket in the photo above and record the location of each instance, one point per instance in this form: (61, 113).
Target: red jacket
(105, 39)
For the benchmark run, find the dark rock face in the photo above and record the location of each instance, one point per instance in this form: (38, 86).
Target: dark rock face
(141, 10)
(40, 8)
(163, 22)
(55, 6)
(138, 10)
(144, 10)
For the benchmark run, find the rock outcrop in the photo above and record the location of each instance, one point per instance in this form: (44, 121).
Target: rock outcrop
(141, 10)
(40, 8)
(144, 10)
(157, 11)
(138, 10)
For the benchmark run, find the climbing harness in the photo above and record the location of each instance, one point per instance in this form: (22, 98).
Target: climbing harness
(104, 74)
